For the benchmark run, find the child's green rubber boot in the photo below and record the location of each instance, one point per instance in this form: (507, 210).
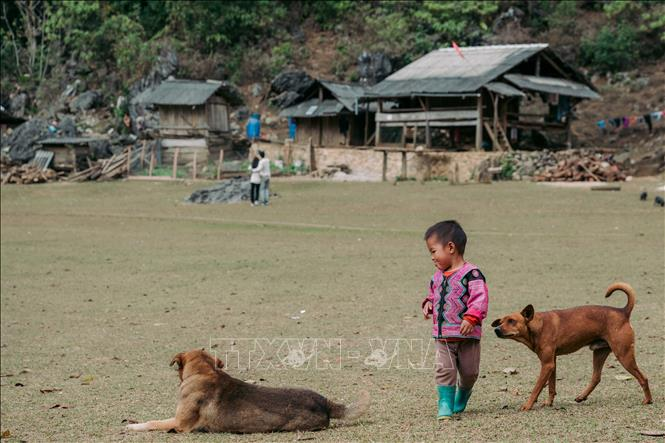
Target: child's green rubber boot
(461, 398)
(446, 402)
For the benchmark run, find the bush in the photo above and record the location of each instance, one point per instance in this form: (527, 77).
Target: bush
(612, 50)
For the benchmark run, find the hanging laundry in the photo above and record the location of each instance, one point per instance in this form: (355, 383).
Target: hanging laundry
(601, 124)
(655, 116)
(615, 122)
(625, 122)
(632, 120)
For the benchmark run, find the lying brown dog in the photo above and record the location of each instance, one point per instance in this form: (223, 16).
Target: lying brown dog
(603, 328)
(212, 401)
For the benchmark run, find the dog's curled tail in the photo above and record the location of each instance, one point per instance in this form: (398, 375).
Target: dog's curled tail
(352, 411)
(628, 290)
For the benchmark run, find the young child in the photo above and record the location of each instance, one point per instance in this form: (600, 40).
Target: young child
(457, 301)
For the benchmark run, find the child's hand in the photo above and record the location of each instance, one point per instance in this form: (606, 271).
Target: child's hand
(427, 310)
(466, 328)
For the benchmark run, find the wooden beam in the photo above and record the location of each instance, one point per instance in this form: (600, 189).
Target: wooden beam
(378, 133)
(404, 165)
(428, 132)
(404, 135)
(422, 104)
(479, 124)
(538, 65)
(462, 114)
(555, 66)
(384, 173)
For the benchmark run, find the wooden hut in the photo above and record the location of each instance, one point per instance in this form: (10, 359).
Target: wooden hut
(479, 97)
(334, 114)
(69, 153)
(193, 117)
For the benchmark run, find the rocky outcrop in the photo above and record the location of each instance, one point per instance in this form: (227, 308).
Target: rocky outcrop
(22, 142)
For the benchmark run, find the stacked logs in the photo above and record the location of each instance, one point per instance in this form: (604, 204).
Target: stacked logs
(27, 174)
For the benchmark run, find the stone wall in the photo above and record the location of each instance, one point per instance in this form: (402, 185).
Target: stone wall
(368, 164)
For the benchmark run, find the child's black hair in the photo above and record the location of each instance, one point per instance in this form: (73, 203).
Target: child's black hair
(448, 231)
(262, 154)
(255, 162)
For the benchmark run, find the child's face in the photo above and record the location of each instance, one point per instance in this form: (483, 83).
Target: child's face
(442, 254)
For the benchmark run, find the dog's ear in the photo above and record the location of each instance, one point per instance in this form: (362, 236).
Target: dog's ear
(527, 313)
(218, 363)
(177, 359)
(496, 322)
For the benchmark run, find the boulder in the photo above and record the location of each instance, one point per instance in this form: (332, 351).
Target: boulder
(373, 67)
(22, 142)
(298, 82)
(18, 104)
(85, 101)
(68, 127)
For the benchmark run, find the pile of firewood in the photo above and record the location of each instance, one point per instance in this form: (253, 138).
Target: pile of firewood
(104, 169)
(27, 174)
(583, 168)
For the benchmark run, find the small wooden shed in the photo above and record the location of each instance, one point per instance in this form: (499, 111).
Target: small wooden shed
(69, 153)
(335, 114)
(193, 117)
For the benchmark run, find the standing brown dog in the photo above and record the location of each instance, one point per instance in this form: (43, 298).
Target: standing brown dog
(603, 328)
(211, 400)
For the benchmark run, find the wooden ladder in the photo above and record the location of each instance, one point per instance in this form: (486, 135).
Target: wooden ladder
(500, 139)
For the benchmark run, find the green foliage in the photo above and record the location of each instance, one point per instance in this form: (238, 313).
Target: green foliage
(281, 56)
(613, 49)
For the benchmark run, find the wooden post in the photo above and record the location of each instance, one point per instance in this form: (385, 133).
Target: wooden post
(385, 166)
(129, 161)
(152, 160)
(194, 165)
(145, 142)
(415, 136)
(174, 172)
(428, 132)
(219, 164)
(404, 165)
(378, 134)
(312, 157)
(479, 124)
(366, 123)
(320, 131)
(569, 135)
(404, 135)
(495, 121)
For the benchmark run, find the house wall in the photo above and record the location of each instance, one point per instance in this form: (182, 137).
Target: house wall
(368, 164)
(183, 118)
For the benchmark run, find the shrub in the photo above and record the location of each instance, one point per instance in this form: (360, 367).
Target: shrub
(612, 50)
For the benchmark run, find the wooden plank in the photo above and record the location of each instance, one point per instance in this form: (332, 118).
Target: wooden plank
(378, 133)
(174, 171)
(436, 124)
(219, 164)
(184, 143)
(463, 114)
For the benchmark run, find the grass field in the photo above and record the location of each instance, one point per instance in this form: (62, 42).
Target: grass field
(103, 283)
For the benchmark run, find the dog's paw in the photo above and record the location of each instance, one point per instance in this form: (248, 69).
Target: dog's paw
(580, 399)
(525, 407)
(136, 427)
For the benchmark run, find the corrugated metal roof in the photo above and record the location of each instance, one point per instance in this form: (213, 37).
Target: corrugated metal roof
(312, 108)
(443, 71)
(504, 89)
(347, 94)
(552, 85)
(180, 92)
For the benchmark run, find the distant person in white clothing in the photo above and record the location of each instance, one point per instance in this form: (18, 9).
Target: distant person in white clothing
(264, 172)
